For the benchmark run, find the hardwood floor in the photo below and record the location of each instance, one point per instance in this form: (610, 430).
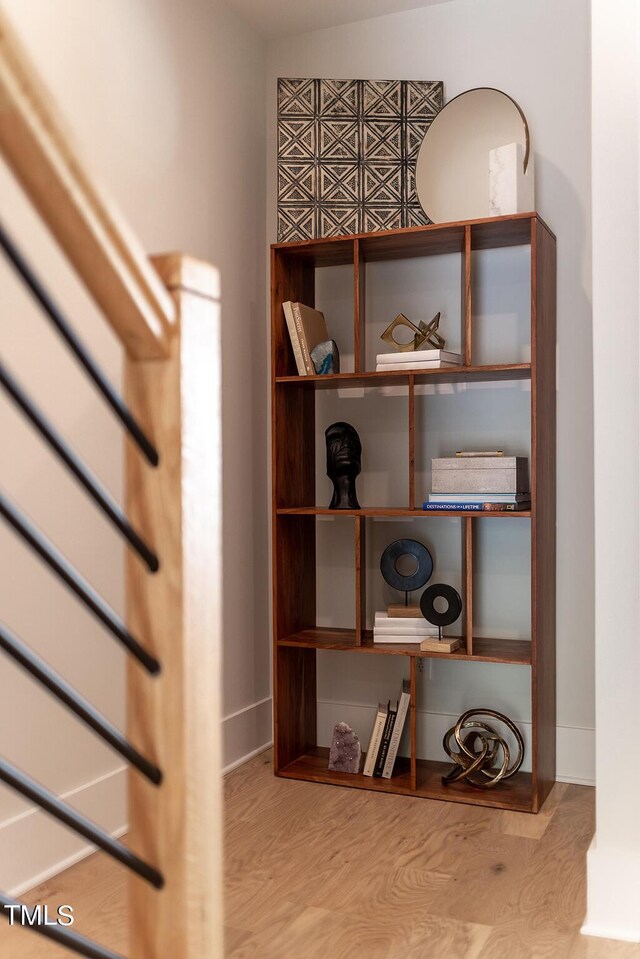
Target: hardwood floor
(319, 872)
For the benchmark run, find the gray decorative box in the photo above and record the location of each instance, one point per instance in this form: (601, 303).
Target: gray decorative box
(480, 474)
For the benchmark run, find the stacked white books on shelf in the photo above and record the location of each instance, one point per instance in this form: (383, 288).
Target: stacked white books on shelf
(417, 360)
(397, 629)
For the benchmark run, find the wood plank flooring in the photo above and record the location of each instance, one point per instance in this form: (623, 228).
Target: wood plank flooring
(319, 872)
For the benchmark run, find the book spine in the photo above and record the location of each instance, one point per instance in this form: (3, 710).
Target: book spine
(374, 744)
(448, 507)
(383, 359)
(293, 336)
(384, 745)
(310, 368)
(482, 507)
(407, 367)
(396, 735)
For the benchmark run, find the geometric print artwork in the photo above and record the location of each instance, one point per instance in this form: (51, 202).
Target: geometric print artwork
(347, 152)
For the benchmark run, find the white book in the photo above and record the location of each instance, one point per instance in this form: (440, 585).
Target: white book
(401, 625)
(376, 739)
(396, 735)
(419, 356)
(421, 628)
(287, 309)
(405, 367)
(399, 638)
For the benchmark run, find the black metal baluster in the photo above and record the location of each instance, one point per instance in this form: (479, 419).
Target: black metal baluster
(78, 585)
(33, 791)
(90, 482)
(71, 698)
(78, 348)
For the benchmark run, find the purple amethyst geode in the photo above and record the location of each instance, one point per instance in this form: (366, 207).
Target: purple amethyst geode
(346, 751)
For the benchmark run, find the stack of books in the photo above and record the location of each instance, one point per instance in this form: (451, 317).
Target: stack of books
(386, 734)
(417, 360)
(488, 481)
(402, 629)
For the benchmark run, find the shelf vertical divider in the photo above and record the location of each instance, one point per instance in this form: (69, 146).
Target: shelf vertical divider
(413, 669)
(359, 359)
(412, 441)
(467, 581)
(543, 511)
(293, 482)
(466, 296)
(361, 578)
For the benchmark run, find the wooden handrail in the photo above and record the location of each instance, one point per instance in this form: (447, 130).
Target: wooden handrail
(105, 253)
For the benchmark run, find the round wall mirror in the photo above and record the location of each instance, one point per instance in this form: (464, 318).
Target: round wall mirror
(452, 171)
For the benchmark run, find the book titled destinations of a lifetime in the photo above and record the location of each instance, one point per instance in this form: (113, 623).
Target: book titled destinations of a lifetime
(470, 507)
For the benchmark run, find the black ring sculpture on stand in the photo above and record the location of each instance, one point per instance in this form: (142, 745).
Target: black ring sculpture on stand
(415, 580)
(428, 608)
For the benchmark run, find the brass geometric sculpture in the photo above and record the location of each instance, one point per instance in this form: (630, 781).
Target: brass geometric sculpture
(422, 333)
(479, 750)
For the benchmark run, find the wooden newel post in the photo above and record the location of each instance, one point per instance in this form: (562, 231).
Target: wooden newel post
(176, 613)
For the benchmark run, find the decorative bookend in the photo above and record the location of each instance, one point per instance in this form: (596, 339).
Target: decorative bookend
(326, 358)
(484, 758)
(344, 456)
(345, 754)
(423, 333)
(454, 607)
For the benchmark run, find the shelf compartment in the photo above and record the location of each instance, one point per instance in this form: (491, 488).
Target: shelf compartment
(313, 767)
(397, 511)
(511, 651)
(464, 374)
(433, 239)
(515, 794)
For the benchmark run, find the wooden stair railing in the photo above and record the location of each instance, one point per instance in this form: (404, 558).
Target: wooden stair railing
(166, 313)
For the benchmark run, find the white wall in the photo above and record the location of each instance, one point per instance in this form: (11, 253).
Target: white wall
(166, 101)
(614, 857)
(538, 53)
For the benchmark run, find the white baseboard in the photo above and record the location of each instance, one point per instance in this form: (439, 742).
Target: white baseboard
(575, 746)
(245, 759)
(33, 847)
(613, 892)
(246, 733)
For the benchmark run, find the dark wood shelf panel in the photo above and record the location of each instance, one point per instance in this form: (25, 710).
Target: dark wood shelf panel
(313, 767)
(512, 651)
(434, 239)
(464, 374)
(514, 794)
(399, 511)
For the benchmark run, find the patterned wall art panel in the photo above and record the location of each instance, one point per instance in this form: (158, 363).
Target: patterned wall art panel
(347, 152)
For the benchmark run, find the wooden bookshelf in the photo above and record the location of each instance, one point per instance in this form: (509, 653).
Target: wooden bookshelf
(297, 637)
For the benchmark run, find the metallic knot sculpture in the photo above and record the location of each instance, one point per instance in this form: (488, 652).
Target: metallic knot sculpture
(480, 747)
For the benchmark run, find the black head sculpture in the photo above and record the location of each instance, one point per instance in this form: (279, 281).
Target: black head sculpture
(344, 453)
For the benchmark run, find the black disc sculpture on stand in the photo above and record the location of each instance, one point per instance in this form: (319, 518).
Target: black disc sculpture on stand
(428, 605)
(440, 619)
(422, 567)
(344, 454)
